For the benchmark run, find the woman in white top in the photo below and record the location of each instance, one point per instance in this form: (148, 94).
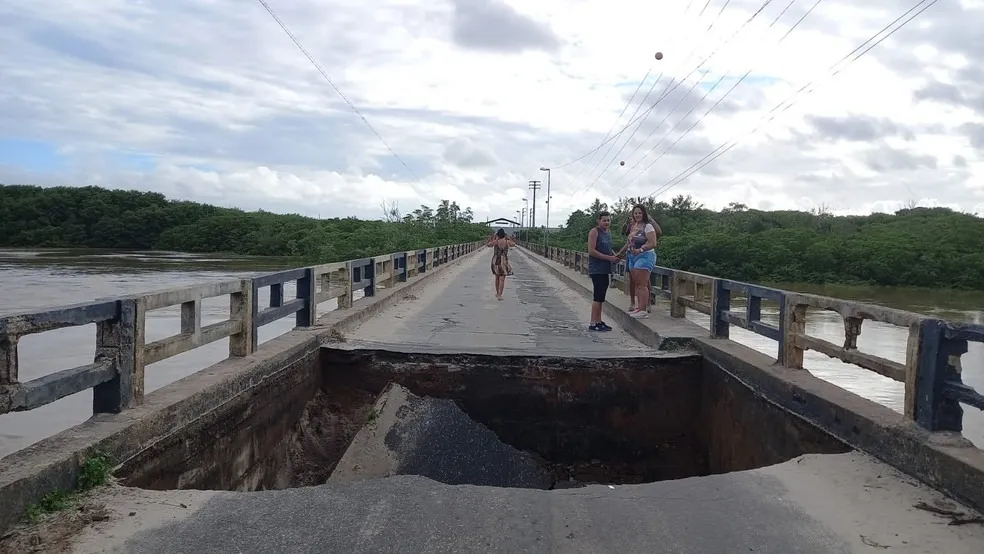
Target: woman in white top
(643, 234)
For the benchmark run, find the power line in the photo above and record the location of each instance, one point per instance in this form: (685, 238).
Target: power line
(648, 94)
(789, 101)
(622, 130)
(680, 82)
(334, 86)
(608, 136)
(668, 90)
(721, 99)
(614, 123)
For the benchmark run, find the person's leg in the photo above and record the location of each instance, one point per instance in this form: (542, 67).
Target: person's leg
(642, 268)
(629, 282)
(502, 286)
(598, 296)
(604, 283)
(631, 285)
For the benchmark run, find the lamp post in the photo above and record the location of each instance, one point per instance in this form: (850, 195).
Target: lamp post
(547, 233)
(526, 210)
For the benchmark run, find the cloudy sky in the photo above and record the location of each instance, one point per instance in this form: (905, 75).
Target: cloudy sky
(210, 100)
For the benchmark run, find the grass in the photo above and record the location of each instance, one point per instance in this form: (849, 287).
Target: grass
(94, 471)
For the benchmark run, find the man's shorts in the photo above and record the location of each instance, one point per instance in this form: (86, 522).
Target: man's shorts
(646, 260)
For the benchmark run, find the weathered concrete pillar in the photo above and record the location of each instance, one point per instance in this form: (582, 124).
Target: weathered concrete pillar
(114, 343)
(345, 280)
(912, 346)
(307, 316)
(677, 284)
(8, 360)
(389, 261)
(139, 340)
(794, 323)
(241, 310)
(720, 303)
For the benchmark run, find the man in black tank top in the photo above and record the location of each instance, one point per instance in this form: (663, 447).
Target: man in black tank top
(601, 254)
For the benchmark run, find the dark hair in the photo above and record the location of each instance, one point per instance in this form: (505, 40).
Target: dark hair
(500, 233)
(645, 213)
(603, 214)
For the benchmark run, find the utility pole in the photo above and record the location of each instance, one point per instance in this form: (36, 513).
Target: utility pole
(534, 186)
(546, 234)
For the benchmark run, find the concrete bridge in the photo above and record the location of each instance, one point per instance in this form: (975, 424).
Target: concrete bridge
(656, 437)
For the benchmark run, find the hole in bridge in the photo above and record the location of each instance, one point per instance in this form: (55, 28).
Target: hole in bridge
(513, 421)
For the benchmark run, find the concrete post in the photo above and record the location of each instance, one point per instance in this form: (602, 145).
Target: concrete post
(241, 310)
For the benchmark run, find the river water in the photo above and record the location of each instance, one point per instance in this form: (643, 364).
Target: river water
(36, 279)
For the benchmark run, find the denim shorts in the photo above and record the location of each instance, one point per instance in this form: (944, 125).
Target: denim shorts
(646, 260)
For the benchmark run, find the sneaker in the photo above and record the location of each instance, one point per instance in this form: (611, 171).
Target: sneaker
(639, 314)
(604, 326)
(595, 327)
(631, 308)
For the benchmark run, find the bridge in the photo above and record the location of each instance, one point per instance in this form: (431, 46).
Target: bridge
(338, 436)
(503, 221)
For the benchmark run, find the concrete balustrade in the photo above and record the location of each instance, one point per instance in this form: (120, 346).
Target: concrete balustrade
(117, 373)
(931, 372)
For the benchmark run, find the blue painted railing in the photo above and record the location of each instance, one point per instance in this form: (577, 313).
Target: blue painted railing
(934, 390)
(117, 373)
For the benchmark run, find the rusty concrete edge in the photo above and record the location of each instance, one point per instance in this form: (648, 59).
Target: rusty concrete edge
(952, 465)
(53, 463)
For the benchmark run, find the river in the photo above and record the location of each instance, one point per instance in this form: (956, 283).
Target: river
(37, 279)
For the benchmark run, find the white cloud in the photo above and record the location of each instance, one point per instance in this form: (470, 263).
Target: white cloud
(210, 101)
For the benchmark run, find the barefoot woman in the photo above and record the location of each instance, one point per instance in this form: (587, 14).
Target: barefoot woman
(500, 244)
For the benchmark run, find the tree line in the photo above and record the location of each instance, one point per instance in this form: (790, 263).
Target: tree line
(95, 217)
(917, 247)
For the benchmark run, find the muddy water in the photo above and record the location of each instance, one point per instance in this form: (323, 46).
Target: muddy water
(37, 279)
(31, 280)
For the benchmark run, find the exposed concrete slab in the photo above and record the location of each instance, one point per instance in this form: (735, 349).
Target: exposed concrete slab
(459, 313)
(432, 437)
(813, 504)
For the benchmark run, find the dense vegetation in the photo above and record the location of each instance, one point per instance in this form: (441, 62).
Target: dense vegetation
(93, 217)
(921, 247)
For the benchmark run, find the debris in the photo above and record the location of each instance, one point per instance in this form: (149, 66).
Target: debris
(956, 517)
(871, 543)
(431, 437)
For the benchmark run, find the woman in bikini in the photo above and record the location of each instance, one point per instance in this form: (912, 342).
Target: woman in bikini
(500, 244)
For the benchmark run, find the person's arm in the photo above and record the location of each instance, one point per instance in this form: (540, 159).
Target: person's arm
(490, 242)
(621, 251)
(650, 239)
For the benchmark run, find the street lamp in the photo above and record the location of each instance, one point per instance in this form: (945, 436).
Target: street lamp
(547, 169)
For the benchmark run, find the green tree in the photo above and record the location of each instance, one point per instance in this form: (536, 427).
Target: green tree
(93, 217)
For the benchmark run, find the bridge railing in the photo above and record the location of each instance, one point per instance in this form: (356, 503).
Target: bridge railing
(931, 373)
(116, 374)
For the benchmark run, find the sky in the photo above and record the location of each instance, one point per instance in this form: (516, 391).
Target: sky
(465, 100)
